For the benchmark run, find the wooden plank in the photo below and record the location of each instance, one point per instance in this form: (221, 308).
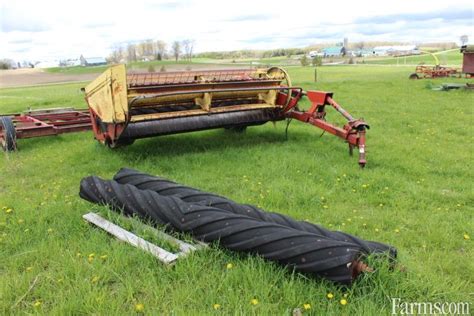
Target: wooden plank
(124, 235)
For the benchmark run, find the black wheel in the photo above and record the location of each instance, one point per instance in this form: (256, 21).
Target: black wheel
(414, 76)
(7, 134)
(237, 129)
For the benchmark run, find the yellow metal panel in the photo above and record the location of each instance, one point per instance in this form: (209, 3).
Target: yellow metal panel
(107, 95)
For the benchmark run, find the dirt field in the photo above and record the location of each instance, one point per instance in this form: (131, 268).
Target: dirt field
(29, 77)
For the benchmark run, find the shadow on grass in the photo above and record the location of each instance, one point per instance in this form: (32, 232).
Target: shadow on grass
(200, 142)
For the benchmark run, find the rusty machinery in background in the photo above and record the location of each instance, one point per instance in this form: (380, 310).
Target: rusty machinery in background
(125, 107)
(438, 71)
(37, 123)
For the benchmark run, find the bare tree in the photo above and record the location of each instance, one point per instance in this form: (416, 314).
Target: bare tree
(160, 50)
(176, 49)
(464, 39)
(131, 53)
(188, 48)
(117, 54)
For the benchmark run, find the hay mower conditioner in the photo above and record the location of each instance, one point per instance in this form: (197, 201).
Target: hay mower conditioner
(125, 107)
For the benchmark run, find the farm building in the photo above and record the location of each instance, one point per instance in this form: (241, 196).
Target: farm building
(398, 50)
(468, 59)
(333, 51)
(93, 61)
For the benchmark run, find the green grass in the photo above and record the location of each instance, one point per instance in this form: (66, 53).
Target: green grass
(417, 181)
(142, 65)
(449, 57)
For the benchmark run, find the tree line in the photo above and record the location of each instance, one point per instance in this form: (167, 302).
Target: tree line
(152, 50)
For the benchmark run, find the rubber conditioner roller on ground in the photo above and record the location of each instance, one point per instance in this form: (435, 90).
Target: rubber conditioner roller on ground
(125, 107)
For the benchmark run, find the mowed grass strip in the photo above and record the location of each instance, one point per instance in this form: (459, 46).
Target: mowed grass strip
(415, 193)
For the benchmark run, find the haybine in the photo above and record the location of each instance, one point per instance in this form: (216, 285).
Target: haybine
(124, 107)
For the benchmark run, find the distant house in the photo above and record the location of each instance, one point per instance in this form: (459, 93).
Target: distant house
(47, 64)
(397, 50)
(315, 53)
(333, 51)
(363, 52)
(92, 61)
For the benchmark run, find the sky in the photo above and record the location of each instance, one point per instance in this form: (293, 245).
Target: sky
(49, 29)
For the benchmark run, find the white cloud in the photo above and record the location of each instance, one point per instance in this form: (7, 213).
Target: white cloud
(52, 29)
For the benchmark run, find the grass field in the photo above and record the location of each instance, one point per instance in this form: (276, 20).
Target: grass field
(449, 57)
(415, 193)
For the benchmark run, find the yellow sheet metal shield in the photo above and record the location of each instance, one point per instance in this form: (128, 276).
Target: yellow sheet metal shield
(107, 95)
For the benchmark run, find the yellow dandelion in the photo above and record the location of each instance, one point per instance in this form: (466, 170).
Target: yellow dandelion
(338, 179)
(216, 306)
(466, 237)
(28, 269)
(458, 205)
(397, 230)
(364, 186)
(103, 257)
(330, 296)
(307, 307)
(9, 210)
(37, 303)
(354, 190)
(50, 230)
(325, 206)
(377, 230)
(381, 204)
(91, 255)
(254, 301)
(139, 308)
(343, 301)
(95, 279)
(229, 266)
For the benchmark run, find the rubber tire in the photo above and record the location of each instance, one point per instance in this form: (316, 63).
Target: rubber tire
(414, 76)
(9, 133)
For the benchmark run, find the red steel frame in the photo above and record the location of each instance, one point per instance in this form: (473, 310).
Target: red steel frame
(437, 72)
(353, 132)
(50, 122)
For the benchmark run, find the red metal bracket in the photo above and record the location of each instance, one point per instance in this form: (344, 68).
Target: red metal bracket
(353, 132)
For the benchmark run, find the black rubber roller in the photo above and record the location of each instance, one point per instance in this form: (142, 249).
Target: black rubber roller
(188, 194)
(306, 252)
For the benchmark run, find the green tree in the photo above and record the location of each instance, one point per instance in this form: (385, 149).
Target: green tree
(304, 61)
